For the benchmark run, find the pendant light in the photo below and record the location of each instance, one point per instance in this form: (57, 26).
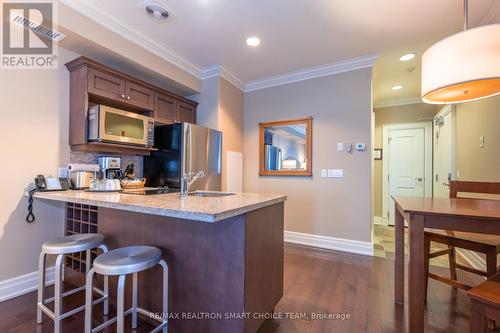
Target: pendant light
(462, 67)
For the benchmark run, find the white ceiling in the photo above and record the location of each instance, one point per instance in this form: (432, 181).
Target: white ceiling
(296, 34)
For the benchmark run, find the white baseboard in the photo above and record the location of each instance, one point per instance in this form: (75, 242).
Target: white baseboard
(379, 220)
(330, 243)
(473, 259)
(23, 284)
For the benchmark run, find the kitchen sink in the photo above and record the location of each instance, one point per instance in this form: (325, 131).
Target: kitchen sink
(209, 194)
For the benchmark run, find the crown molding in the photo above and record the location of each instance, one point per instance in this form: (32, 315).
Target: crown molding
(221, 71)
(492, 14)
(314, 72)
(397, 102)
(110, 22)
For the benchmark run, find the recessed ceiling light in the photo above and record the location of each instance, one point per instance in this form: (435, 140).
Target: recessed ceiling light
(397, 87)
(253, 41)
(407, 57)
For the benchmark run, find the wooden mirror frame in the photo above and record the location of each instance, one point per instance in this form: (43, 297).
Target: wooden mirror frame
(306, 173)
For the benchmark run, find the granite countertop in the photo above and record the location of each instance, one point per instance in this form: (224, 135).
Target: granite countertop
(205, 209)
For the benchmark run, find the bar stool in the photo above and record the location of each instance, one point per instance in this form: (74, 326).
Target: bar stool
(61, 247)
(123, 261)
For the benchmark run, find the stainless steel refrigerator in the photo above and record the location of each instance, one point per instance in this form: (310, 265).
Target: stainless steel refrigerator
(182, 149)
(273, 157)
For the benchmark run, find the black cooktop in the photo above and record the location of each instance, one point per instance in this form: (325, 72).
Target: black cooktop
(152, 190)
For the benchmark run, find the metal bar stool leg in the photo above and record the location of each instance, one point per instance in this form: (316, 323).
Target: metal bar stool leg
(88, 262)
(58, 293)
(89, 286)
(120, 312)
(164, 266)
(41, 286)
(104, 249)
(134, 301)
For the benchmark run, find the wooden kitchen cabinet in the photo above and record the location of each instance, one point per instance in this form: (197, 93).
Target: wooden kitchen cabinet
(94, 83)
(105, 85)
(165, 109)
(139, 95)
(119, 89)
(186, 112)
(169, 110)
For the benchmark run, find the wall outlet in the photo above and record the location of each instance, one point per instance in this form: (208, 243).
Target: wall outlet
(323, 173)
(62, 172)
(348, 147)
(335, 173)
(340, 146)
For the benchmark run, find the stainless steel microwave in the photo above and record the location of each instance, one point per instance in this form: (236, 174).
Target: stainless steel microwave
(107, 124)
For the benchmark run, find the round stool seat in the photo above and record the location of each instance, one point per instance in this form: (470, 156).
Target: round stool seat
(73, 243)
(127, 260)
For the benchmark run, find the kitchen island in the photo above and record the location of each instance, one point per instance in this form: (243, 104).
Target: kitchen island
(225, 254)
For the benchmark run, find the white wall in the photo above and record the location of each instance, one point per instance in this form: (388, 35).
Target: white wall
(221, 107)
(341, 109)
(34, 140)
(207, 113)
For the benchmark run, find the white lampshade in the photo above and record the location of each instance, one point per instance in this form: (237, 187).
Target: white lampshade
(462, 67)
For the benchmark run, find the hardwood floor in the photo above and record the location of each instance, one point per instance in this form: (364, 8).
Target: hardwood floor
(316, 281)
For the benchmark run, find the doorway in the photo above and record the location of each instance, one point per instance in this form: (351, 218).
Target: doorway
(444, 151)
(408, 170)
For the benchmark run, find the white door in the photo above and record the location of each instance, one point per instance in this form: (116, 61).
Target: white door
(444, 151)
(408, 164)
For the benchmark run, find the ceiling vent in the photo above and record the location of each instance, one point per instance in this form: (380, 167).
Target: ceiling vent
(157, 10)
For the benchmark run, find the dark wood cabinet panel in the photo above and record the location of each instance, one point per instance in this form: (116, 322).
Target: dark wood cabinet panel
(165, 109)
(139, 95)
(105, 85)
(186, 112)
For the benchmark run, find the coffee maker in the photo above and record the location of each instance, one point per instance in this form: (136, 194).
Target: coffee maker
(110, 167)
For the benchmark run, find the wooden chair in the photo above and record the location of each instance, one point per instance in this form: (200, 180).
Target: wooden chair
(485, 304)
(485, 244)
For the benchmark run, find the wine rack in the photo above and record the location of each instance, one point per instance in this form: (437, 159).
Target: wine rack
(80, 219)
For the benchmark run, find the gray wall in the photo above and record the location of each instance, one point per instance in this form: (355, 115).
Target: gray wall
(341, 107)
(34, 140)
(476, 119)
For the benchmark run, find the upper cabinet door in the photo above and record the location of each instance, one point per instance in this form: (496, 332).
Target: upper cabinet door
(139, 95)
(187, 112)
(105, 85)
(165, 109)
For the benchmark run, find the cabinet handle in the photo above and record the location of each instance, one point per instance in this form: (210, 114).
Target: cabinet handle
(128, 97)
(122, 96)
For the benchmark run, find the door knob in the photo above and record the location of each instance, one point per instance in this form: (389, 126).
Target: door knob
(128, 97)
(445, 184)
(419, 179)
(122, 96)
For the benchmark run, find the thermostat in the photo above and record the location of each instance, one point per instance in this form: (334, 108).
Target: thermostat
(360, 147)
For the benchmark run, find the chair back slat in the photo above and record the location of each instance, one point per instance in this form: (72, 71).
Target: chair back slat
(457, 186)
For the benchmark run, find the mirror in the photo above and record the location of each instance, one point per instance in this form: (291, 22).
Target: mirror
(286, 148)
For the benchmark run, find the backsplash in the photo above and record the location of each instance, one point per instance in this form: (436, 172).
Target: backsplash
(91, 158)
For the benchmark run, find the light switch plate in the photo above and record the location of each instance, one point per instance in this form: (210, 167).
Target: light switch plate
(340, 146)
(481, 141)
(323, 173)
(335, 173)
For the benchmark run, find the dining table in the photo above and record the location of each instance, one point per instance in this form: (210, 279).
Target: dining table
(454, 214)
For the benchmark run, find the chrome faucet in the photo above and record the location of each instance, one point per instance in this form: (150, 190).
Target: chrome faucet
(188, 179)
